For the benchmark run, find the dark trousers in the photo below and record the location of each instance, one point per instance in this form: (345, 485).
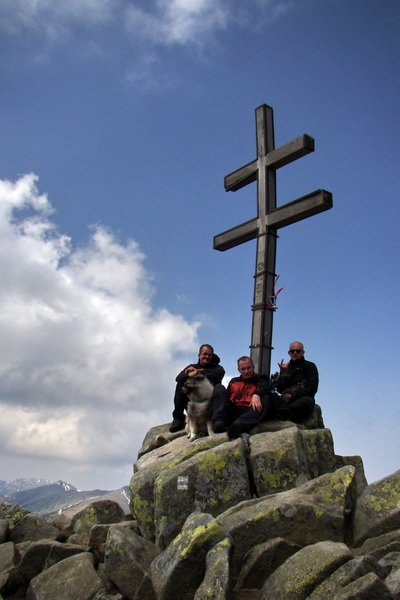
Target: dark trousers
(181, 400)
(300, 408)
(228, 412)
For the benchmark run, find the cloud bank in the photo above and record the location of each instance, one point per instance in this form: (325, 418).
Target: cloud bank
(87, 365)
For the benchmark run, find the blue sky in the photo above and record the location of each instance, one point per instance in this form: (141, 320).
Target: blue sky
(119, 121)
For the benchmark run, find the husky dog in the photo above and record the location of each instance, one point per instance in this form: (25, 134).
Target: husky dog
(198, 418)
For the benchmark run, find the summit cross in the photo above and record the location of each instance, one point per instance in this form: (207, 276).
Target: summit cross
(264, 226)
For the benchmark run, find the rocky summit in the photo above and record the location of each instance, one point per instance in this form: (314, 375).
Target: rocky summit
(274, 515)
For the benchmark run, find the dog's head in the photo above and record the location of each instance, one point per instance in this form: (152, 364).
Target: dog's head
(192, 383)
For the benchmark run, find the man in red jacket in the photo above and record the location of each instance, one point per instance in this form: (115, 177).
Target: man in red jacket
(246, 404)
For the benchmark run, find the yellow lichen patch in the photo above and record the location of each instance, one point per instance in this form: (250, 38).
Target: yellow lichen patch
(212, 461)
(385, 500)
(141, 509)
(198, 536)
(281, 478)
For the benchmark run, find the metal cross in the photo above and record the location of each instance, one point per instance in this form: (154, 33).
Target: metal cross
(269, 219)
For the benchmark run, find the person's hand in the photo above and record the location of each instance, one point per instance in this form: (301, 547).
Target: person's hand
(192, 372)
(255, 403)
(286, 398)
(282, 365)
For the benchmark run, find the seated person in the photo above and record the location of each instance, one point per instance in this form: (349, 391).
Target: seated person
(246, 402)
(297, 384)
(208, 365)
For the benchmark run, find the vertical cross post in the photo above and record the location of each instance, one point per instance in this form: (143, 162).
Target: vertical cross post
(261, 333)
(264, 226)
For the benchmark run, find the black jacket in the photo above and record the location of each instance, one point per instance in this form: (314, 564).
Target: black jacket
(214, 371)
(297, 371)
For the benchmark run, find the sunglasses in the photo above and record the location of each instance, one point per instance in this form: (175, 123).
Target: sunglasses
(295, 351)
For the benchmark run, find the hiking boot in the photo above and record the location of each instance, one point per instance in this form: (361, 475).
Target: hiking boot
(219, 427)
(176, 425)
(235, 430)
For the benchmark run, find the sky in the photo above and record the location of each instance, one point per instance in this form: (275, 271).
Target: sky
(119, 121)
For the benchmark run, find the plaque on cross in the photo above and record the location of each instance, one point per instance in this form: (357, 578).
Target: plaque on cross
(269, 219)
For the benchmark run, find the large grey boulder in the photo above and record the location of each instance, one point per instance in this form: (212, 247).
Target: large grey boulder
(373, 544)
(377, 509)
(217, 583)
(179, 570)
(368, 587)
(392, 580)
(210, 482)
(101, 511)
(262, 560)
(298, 576)
(311, 513)
(127, 563)
(74, 578)
(9, 559)
(350, 571)
(142, 483)
(63, 523)
(40, 555)
(32, 527)
(288, 458)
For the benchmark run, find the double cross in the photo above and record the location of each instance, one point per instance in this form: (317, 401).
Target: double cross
(269, 219)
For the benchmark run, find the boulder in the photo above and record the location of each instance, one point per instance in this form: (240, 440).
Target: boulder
(32, 527)
(369, 587)
(350, 571)
(392, 581)
(127, 561)
(217, 584)
(142, 483)
(357, 462)
(9, 559)
(40, 555)
(262, 560)
(97, 541)
(179, 570)
(306, 515)
(101, 511)
(388, 563)
(377, 509)
(4, 527)
(376, 543)
(288, 458)
(63, 523)
(98, 537)
(210, 482)
(298, 576)
(74, 578)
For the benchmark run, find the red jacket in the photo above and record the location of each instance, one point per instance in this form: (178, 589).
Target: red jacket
(241, 390)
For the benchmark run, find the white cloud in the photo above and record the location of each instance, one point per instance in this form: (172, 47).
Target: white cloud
(179, 21)
(162, 22)
(87, 365)
(140, 30)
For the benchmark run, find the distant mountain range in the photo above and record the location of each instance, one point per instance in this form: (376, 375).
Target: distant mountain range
(49, 498)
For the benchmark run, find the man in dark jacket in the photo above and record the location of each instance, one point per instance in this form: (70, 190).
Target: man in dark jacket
(298, 383)
(208, 365)
(246, 403)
